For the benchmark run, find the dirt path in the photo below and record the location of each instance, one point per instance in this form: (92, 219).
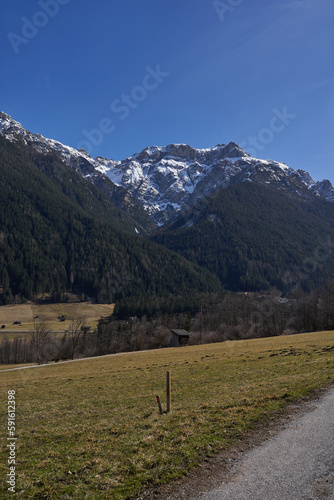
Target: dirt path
(291, 458)
(52, 363)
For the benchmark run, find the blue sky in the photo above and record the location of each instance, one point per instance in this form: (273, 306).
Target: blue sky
(115, 76)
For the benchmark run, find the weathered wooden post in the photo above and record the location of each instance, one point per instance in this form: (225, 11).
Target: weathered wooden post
(169, 392)
(159, 404)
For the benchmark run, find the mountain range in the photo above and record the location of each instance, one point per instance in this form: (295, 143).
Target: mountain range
(166, 180)
(218, 213)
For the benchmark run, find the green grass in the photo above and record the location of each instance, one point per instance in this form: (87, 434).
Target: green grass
(91, 429)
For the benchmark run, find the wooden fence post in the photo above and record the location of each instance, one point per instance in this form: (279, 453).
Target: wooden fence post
(169, 392)
(159, 404)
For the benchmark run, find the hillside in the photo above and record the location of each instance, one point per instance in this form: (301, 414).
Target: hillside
(253, 236)
(59, 233)
(59, 162)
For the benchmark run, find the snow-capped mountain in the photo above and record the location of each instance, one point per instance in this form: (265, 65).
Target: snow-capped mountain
(166, 180)
(173, 178)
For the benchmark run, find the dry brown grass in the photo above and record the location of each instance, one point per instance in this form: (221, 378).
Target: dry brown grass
(50, 312)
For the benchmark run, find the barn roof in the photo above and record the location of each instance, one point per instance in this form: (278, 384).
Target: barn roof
(181, 333)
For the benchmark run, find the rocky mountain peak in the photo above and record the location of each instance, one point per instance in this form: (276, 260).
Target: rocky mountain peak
(306, 177)
(234, 151)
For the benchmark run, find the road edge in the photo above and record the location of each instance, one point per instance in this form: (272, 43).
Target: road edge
(212, 471)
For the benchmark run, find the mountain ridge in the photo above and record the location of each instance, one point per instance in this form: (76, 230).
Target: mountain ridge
(165, 180)
(83, 164)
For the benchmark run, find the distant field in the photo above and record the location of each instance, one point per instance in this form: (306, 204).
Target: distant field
(91, 429)
(49, 313)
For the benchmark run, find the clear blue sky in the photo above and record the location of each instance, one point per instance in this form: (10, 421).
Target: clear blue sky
(152, 72)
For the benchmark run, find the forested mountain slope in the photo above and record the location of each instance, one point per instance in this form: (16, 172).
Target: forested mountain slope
(253, 237)
(59, 233)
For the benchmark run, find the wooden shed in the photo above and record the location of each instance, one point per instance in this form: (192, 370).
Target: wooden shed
(179, 338)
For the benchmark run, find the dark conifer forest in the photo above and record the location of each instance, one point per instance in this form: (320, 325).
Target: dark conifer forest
(254, 237)
(60, 234)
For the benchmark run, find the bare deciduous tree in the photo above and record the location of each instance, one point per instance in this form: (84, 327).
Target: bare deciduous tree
(39, 337)
(75, 334)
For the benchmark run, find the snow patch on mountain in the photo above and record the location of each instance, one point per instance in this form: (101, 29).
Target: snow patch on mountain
(168, 179)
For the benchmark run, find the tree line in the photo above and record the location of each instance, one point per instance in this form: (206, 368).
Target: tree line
(42, 346)
(268, 314)
(236, 316)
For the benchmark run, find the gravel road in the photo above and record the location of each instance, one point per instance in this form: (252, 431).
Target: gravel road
(295, 464)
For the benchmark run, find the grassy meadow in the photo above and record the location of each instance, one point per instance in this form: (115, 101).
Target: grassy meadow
(91, 429)
(49, 313)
